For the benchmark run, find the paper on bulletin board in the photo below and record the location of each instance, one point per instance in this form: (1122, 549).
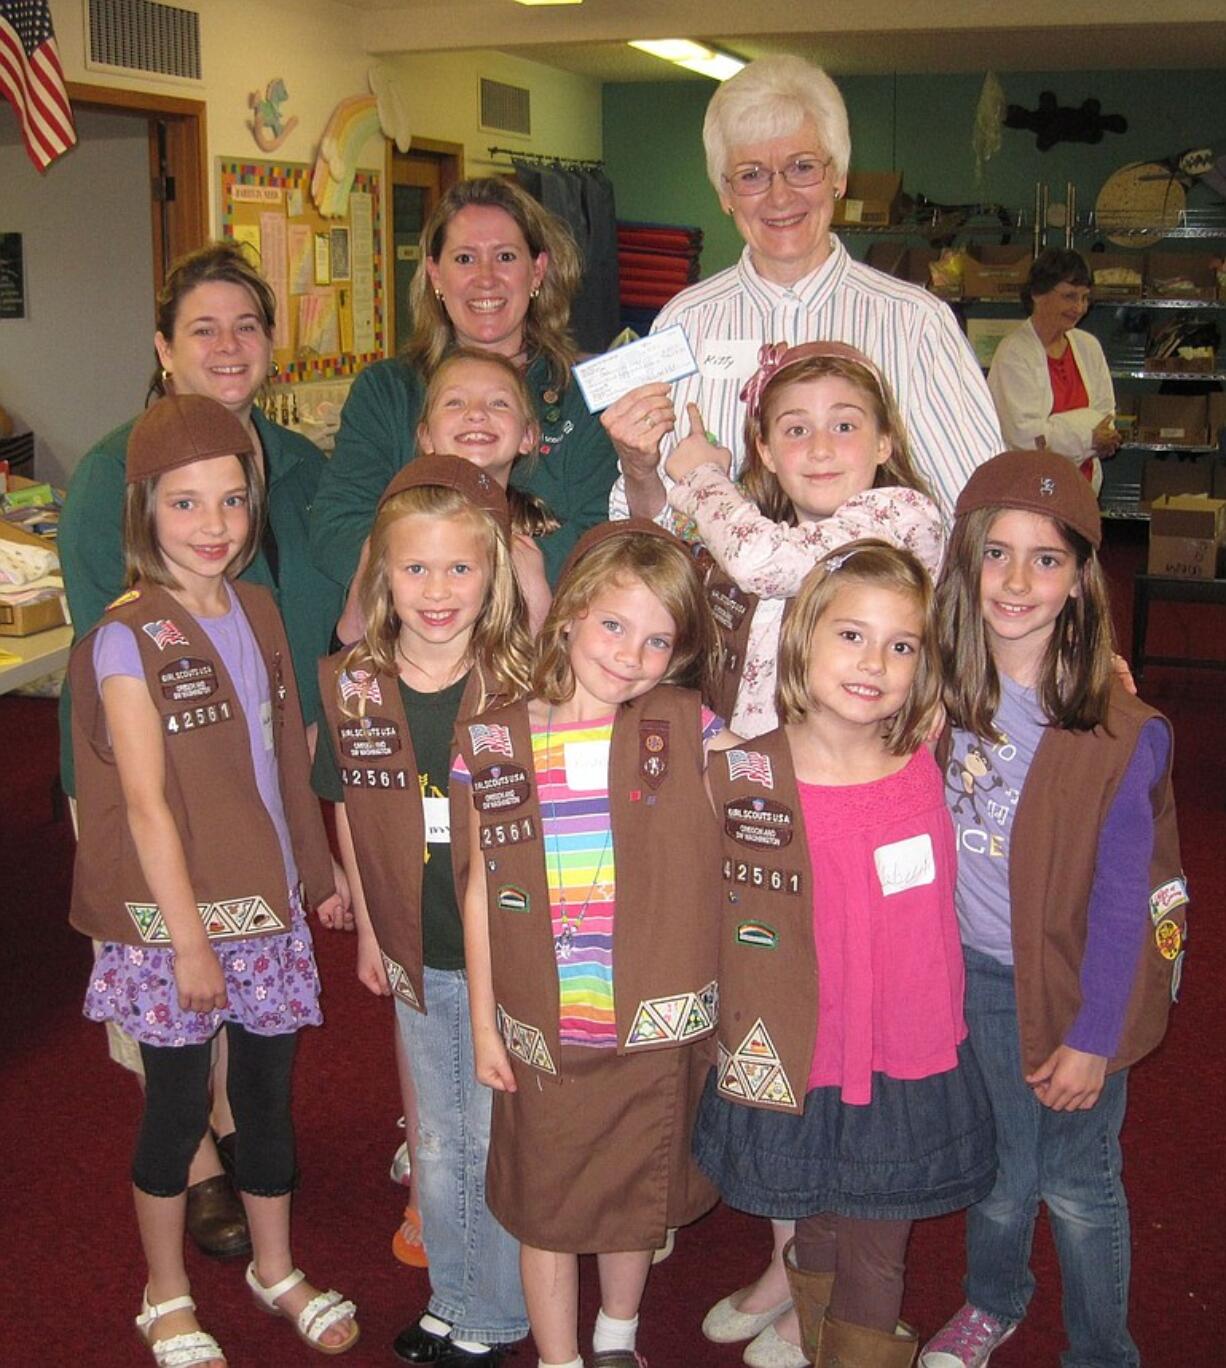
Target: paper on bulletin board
(362, 238)
(318, 331)
(276, 271)
(323, 259)
(247, 235)
(301, 258)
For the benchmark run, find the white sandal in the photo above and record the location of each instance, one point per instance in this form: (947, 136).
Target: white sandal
(176, 1351)
(323, 1311)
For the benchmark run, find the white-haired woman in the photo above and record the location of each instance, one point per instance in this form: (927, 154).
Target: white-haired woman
(778, 147)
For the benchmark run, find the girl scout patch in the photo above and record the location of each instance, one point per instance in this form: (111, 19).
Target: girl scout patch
(1166, 898)
(1169, 939)
(500, 788)
(360, 684)
(758, 934)
(758, 822)
(185, 680)
(513, 899)
(369, 738)
(751, 765)
(653, 752)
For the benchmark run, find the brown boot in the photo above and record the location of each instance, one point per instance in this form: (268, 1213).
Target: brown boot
(216, 1220)
(855, 1346)
(810, 1297)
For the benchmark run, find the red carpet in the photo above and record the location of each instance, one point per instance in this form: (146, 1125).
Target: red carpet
(74, 1263)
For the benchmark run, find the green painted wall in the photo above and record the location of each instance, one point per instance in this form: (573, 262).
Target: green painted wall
(920, 125)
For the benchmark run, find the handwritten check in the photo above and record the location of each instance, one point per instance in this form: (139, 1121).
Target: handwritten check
(664, 356)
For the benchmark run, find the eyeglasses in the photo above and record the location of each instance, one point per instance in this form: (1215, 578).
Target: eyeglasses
(756, 179)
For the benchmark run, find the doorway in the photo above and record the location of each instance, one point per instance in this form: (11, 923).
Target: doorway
(417, 179)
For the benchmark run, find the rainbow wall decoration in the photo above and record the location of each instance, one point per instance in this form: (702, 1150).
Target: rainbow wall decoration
(353, 122)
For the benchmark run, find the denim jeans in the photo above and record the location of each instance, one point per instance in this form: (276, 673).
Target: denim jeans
(1071, 1161)
(474, 1263)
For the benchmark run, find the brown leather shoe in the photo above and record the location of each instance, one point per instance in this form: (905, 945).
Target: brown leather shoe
(216, 1220)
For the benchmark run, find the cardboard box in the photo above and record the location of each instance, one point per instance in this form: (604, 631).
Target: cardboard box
(907, 263)
(24, 619)
(1174, 475)
(1131, 263)
(1218, 486)
(996, 272)
(1174, 420)
(1185, 536)
(871, 198)
(1217, 416)
(1165, 271)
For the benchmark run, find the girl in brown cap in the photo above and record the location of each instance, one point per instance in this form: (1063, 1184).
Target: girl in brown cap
(197, 833)
(1070, 895)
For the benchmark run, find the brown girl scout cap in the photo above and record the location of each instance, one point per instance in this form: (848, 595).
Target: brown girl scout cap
(1039, 482)
(180, 429)
(606, 531)
(453, 472)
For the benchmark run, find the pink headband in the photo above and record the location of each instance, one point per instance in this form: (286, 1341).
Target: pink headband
(773, 356)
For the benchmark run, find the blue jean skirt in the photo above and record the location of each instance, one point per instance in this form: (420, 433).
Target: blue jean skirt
(921, 1147)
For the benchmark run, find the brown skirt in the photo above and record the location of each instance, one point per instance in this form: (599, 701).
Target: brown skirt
(601, 1161)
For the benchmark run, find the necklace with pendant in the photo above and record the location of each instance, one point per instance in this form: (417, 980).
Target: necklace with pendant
(564, 941)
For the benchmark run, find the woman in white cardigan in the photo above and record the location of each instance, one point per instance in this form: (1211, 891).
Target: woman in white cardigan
(1049, 379)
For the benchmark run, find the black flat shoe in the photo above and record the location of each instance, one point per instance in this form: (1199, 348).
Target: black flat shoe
(455, 1357)
(418, 1345)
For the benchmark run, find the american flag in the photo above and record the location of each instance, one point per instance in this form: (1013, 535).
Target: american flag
(492, 738)
(32, 80)
(360, 684)
(164, 633)
(751, 765)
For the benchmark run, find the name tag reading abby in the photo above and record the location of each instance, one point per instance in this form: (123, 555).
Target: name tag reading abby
(438, 820)
(664, 357)
(587, 765)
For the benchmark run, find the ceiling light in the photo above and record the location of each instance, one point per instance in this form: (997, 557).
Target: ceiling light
(549, 2)
(692, 56)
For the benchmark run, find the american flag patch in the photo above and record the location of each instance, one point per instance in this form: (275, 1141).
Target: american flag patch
(752, 765)
(362, 685)
(164, 633)
(490, 738)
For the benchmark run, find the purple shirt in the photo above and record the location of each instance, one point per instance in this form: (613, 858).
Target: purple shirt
(116, 653)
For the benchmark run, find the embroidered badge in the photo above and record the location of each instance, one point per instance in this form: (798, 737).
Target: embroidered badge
(753, 1071)
(398, 981)
(1168, 938)
(230, 919)
(653, 752)
(727, 603)
(500, 788)
(511, 898)
(525, 1042)
(675, 1019)
(492, 737)
(192, 719)
(905, 864)
(758, 934)
(360, 684)
(751, 765)
(164, 633)
(1166, 898)
(368, 738)
(759, 822)
(185, 680)
(128, 596)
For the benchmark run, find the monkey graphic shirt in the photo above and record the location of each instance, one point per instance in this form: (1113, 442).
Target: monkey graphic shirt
(983, 781)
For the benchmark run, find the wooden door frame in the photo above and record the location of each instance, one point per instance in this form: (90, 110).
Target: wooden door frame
(186, 219)
(450, 157)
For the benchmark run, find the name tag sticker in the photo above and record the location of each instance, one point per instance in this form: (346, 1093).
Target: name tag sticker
(905, 864)
(438, 820)
(664, 356)
(587, 765)
(728, 358)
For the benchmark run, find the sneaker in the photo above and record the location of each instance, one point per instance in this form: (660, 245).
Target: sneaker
(967, 1340)
(407, 1244)
(401, 1165)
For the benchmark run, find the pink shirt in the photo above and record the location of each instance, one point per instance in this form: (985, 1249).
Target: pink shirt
(890, 973)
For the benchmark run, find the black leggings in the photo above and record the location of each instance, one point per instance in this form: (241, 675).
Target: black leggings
(177, 1113)
(866, 1258)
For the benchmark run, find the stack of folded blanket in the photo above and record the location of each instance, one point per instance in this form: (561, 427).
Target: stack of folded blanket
(655, 261)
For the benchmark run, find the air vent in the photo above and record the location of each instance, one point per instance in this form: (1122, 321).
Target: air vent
(505, 108)
(137, 35)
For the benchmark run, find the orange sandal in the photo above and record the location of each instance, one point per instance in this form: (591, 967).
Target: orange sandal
(407, 1243)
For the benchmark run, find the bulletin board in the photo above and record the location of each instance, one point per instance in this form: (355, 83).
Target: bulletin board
(326, 273)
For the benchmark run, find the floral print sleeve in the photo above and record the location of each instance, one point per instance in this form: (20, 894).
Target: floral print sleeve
(772, 559)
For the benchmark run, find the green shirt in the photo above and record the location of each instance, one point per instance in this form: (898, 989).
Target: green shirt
(91, 554)
(572, 471)
(431, 718)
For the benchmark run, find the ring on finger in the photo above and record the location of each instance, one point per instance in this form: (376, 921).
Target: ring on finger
(649, 419)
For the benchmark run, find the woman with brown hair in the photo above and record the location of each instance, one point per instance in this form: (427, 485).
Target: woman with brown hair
(499, 275)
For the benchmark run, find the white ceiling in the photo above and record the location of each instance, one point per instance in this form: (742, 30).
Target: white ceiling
(845, 36)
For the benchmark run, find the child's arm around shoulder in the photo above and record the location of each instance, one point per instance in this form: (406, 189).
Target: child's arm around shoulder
(772, 559)
(136, 739)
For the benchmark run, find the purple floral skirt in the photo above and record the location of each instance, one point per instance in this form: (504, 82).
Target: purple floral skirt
(272, 988)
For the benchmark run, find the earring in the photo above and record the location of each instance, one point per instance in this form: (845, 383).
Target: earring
(534, 292)
(838, 194)
(166, 377)
(438, 294)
